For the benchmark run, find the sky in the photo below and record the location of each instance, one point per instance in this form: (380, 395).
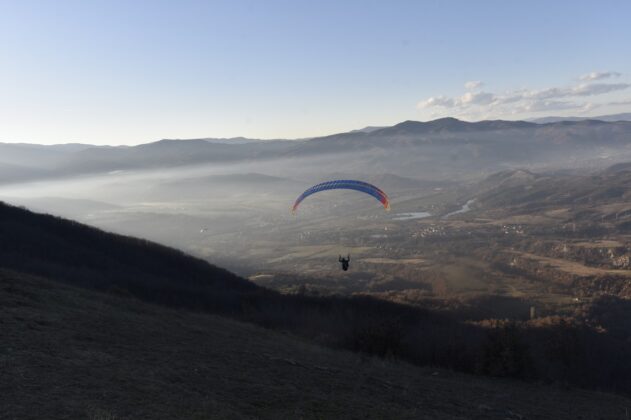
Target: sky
(130, 72)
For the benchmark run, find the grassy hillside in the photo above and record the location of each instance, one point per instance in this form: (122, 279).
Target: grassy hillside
(72, 353)
(123, 267)
(78, 254)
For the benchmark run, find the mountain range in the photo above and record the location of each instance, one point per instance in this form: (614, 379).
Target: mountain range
(626, 116)
(439, 149)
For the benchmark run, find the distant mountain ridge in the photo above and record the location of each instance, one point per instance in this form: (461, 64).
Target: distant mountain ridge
(441, 148)
(626, 116)
(449, 125)
(367, 129)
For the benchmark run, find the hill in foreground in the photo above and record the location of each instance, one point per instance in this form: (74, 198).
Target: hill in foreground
(109, 326)
(72, 353)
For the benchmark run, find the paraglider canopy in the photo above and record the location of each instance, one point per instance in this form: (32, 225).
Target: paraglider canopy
(345, 184)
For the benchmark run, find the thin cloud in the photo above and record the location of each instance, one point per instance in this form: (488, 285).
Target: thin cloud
(599, 75)
(469, 98)
(598, 88)
(549, 93)
(545, 105)
(628, 102)
(583, 89)
(476, 98)
(437, 101)
(473, 84)
(521, 101)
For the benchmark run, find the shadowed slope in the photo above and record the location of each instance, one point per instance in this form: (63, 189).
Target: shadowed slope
(60, 250)
(74, 253)
(72, 353)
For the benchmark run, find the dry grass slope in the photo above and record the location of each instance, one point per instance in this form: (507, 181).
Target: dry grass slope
(70, 353)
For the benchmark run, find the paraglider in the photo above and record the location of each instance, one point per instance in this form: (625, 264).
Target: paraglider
(345, 184)
(345, 261)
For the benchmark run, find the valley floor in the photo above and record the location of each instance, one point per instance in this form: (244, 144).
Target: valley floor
(68, 353)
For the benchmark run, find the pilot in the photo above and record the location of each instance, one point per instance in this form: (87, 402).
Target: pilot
(345, 261)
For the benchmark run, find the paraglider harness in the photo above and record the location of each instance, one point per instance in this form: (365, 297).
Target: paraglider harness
(345, 262)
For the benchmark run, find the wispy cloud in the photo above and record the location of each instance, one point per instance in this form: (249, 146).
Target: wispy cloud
(546, 105)
(473, 84)
(469, 98)
(437, 101)
(627, 102)
(520, 101)
(599, 75)
(598, 88)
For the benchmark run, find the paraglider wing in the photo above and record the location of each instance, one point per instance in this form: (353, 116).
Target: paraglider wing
(346, 184)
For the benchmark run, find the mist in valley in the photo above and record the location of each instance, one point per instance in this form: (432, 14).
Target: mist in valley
(236, 212)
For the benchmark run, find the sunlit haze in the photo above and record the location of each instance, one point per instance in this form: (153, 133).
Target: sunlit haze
(120, 72)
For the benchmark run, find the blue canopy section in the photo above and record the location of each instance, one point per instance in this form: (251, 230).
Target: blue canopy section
(346, 184)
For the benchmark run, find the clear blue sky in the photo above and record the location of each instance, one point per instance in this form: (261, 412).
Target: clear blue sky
(127, 72)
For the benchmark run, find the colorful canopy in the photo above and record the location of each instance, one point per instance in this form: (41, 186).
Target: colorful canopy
(345, 184)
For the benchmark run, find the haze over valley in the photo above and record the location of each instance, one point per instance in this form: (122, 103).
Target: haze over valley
(477, 208)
